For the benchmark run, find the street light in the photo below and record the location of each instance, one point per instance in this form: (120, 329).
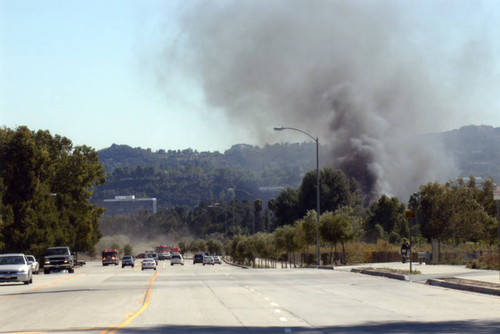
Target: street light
(317, 185)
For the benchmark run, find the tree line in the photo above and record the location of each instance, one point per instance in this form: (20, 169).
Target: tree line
(45, 187)
(455, 212)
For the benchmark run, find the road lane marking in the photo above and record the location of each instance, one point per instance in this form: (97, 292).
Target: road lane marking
(145, 304)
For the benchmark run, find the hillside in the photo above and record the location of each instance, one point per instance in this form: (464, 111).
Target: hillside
(187, 177)
(476, 150)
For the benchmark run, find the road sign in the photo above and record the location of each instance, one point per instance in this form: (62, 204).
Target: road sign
(496, 193)
(409, 214)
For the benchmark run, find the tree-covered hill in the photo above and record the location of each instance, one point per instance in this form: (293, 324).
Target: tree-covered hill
(186, 177)
(476, 150)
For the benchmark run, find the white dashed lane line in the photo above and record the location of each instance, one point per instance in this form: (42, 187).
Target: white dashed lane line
(273, 304)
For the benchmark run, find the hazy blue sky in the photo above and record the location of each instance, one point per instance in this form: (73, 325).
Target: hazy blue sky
(93, 70)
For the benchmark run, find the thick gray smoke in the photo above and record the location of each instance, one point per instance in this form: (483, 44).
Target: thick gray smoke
(366, 77)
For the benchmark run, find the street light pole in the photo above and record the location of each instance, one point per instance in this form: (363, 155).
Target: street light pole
(317, 186)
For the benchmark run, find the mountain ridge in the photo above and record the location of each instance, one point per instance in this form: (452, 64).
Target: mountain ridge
(175, 175)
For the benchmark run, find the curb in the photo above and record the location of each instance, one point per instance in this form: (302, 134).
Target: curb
(235, 264)
(320, 267)
(380, 273)
(434, 282)
(464, 287)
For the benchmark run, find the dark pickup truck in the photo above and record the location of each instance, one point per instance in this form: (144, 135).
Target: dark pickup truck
(58, 258)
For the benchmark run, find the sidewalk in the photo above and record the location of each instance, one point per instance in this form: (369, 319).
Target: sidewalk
(449, 276)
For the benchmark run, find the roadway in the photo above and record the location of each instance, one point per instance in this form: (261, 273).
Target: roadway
(227, 299)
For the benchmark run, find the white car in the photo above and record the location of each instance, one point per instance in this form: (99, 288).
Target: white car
(217, 259)
(176, 258)
(35, 266)
(208, 260)
(148, 263)
(15, 268)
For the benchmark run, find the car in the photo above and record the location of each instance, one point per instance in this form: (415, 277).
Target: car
(140, 256)
(198, 258)
(15, 268)
(35, 266)
(148, 263)
(153, 256)
(217, 259)
(208, 260)
(176, 258)
(128, 260)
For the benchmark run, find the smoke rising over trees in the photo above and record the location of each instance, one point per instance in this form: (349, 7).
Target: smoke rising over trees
(366, 77)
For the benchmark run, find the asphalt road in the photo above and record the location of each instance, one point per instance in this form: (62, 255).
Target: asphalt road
(226, 299)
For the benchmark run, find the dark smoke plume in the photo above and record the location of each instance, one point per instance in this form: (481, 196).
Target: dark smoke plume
(367, 77)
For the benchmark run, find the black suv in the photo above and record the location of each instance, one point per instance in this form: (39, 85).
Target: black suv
(198, 258)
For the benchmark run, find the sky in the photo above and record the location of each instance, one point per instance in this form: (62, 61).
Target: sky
(87, 70)
(134, 72)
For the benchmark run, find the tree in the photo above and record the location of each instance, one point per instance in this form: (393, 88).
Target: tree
(335, 191)
(306, 230)
(285, 240)
(469, 220)
(128, 249)
(433, 210)
(242, 248)
(388, 213)
(199, 245)
(214, 246)
(46, 187)
(264, 245)
(184, 244)
(341, 226)
(285, 207)
(457, 211)
(257, 204)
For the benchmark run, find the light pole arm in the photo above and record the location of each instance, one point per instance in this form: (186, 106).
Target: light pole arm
(288, 128)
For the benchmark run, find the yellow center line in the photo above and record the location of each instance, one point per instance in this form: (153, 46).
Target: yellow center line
(114, 329)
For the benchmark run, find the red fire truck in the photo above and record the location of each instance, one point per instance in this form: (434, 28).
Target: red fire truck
(110, 256)
(160, 249)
